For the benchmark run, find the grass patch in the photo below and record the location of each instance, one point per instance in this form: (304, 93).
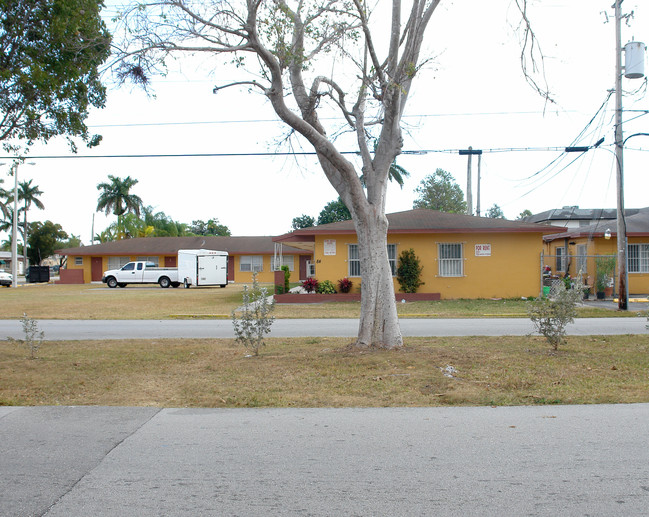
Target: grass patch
(96, 301)
(324, 372)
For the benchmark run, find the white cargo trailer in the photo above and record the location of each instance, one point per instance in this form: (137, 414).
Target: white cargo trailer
(202, 267)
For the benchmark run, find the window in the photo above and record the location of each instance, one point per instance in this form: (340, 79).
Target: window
(284, 260)
(151, 261)
(354, 260)
(117, 262)
(638, 258)
(392, 258)
(251, 263)
(581, 259)
(561, 259)
(78, 261)
(450, 261)
(130, 266)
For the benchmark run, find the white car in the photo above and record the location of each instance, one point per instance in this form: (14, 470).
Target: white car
(6, 278)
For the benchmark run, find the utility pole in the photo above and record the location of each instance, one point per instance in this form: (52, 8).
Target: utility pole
(477, 205)
(623, 295)
(469, 185)
(14, 231)
(469, 192)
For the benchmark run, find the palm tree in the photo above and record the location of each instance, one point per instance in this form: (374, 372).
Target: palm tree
(28, 194)
(115, 198)
(395, 172)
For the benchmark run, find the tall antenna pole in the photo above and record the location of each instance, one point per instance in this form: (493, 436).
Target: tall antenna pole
(469, 183)
(623, 295)
(469, 195)
(477, 206)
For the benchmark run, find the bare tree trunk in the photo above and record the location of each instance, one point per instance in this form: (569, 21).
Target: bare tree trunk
(379, 323)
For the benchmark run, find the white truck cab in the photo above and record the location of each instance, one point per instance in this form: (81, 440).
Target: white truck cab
(141, 272)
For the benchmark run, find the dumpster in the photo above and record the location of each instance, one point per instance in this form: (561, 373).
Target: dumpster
(37, 274)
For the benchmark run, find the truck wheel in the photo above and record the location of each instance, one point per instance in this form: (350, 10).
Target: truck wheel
(112, 282)
(164, 282)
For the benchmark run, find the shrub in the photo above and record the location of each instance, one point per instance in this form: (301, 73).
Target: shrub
(409, 271)
(310, 285)
(344, 285)
(255, 320)
(287, 277)
(550, 316)
(326, 287)
(605, 267)
(33, 336)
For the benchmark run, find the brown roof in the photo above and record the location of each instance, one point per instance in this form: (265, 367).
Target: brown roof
(422, 220)
(637, 225)
(170, 246)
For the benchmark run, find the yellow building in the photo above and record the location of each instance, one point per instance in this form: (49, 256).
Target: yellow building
(246, 255)
(579, 250)
(462, 256)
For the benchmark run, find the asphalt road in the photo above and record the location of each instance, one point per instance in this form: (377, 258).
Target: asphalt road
(152, 329)
(535, 461)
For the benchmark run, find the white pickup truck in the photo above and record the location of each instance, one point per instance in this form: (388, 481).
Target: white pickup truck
(195, 267)
(141, 272)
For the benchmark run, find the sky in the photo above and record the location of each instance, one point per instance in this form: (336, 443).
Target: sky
(472, 93)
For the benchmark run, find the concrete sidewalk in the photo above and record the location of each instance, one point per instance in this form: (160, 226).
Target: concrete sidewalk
(542, 460)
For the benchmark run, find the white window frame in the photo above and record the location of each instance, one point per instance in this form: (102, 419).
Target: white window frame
(282, 260)
(561, 259)
(638, 258)
(117, 262)
(354, 260)
(153, 260)
(450, 263)
(582, 258)
(251, 263)
(392, 258)
(78, 261)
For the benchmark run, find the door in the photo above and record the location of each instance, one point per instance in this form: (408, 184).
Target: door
(212, 270)
(96, 269)
(131, 272)
(231, 268)
(304, 259)
(170, 261)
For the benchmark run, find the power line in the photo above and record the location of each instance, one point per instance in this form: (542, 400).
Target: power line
(272, 120)
(275, 153)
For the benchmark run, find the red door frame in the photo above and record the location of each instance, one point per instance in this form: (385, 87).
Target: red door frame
(96, 269)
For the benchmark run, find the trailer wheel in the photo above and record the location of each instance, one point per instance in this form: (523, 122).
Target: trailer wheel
(186, 284)
(223, 285)
(121, 284)
(175, 284)
(111, 281)
(164, 282)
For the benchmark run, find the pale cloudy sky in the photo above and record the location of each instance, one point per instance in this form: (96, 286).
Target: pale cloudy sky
(473, 94)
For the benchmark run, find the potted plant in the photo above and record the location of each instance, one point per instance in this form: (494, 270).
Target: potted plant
(605, 266)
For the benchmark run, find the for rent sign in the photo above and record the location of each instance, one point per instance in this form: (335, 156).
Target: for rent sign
(483, 250)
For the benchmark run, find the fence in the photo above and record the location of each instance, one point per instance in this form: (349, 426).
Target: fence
(560, 266)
